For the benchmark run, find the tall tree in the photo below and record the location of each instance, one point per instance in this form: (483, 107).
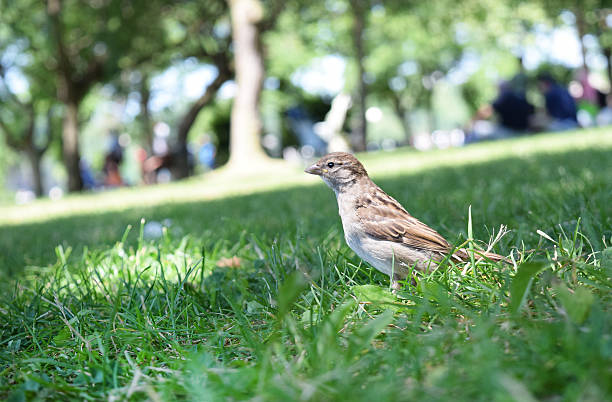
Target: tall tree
(189, 118)
(91, 44)
(246, 125)
(404, 71)
(198, 30)
(83, 44)
(144, 91)
(249, 21)
(334, 27)
(360, 9)
(22, 110)
(208, 39)
(73, 85)
(591, 18)
(20, 125)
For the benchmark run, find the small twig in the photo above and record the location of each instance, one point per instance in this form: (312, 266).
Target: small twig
(134, 384)
(70, 327)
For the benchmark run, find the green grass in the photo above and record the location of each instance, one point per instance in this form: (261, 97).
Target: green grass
(90, 310)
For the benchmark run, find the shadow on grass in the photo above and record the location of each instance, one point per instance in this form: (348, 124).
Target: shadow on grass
(547, 192)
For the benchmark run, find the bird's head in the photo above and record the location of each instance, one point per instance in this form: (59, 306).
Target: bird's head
(338, 170)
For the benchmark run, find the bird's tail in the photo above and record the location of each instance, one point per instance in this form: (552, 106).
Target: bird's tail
(463, 255)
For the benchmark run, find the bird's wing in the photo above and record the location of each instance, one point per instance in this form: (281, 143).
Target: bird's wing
(383, 218)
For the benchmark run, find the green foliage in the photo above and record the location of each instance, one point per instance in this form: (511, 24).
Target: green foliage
(216, 120)
(521, 283)
(577, 303)
(377, 296)
(7, 158)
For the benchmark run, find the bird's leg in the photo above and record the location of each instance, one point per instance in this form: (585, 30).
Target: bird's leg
(395, 285)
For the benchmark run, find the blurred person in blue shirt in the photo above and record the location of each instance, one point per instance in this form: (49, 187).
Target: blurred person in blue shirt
(512, 108)
(560, 105)
(513, 113)
(207, 153)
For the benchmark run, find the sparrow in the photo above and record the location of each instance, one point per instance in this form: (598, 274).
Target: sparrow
(377, 228)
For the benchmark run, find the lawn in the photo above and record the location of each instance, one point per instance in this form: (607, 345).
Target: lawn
(241, 286)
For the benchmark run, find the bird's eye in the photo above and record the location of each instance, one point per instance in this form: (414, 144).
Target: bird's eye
(330, 165)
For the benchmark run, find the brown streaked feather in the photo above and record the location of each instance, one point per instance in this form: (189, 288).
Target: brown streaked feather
(395, 224)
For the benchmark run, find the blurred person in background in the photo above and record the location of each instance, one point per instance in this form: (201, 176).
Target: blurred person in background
(589, 99)
(512, 110)
(207, 152)
(112, 160)
(560, 105)
(604, 117)
(589, 94)
(87, 176)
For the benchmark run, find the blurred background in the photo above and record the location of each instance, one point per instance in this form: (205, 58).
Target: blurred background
(100, 94)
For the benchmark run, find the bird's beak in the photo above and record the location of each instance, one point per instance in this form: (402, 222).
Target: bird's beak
(314, 169)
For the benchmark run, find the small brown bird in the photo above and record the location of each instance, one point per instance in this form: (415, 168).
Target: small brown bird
(376, 227)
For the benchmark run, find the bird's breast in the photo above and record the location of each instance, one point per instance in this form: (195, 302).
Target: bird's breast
(350, 223)
(363, 245)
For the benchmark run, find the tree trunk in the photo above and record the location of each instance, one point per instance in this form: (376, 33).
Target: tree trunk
(359, 134)
(145, 114)
(70, 94)
(581, 27)
(428, 99)
(607, 51)
(70, 147)
(404, 116)
(183, 168)
(246, 125)
(432, 120)
(26, 144)
(35, 158)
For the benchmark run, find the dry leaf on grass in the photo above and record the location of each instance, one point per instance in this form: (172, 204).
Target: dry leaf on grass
(232, 262)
